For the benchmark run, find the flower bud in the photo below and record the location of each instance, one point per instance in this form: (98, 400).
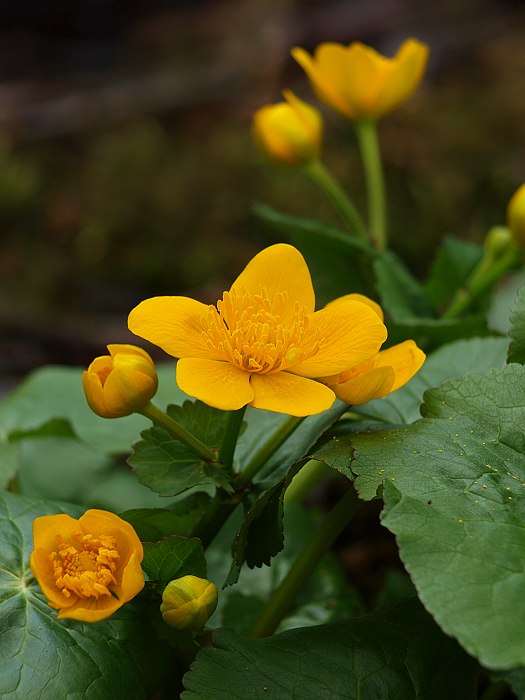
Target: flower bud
(498, 240)
(120, 383)
(289, 133)
(188, 602)
(516, 216)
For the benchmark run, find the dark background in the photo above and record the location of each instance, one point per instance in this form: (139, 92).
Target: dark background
(127, 167)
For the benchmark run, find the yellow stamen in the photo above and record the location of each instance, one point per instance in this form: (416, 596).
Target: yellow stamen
(257, 334)
(86, 569)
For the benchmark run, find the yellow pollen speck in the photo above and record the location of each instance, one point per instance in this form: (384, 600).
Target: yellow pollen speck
(258, 334)
(86, 568)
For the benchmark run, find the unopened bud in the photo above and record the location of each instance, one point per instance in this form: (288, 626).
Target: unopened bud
(289, 133)
(516, 216)
(120, 383)
(188, 602)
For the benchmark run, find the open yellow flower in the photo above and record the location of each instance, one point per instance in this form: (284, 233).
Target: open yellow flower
(359, 82)
(87, 568)
(120, 383)
(263, 344)
(379, 375)
(288, 133)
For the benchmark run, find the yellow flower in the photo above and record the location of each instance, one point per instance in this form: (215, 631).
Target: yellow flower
(288, 133)
(516, 216)
(188, 602)
(381, 374)
(263, 344)
(359, 82)
(87, 568)
(120, 383)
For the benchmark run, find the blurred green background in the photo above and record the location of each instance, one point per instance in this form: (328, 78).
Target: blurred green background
(127, 168)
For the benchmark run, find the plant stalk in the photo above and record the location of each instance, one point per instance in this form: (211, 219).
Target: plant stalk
(319, 174)
(322, 539)
(260, 458)
(164, 421)
(366, 130)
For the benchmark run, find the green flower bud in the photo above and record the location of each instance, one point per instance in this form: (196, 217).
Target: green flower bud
(188, 602)
(498, 240)
(516, 216)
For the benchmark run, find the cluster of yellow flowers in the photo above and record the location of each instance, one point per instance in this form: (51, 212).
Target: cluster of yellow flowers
(354, 80)
(263, 344)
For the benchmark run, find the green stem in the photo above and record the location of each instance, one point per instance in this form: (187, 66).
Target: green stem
(496, 691)
(231, 435)
(482, 278)
(267, 450)
(366, 130)
(337, 196)
(160, 418)
(322, 539)
(304, 481)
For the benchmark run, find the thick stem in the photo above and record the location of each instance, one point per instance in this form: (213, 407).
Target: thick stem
(304, 481)
(322, 539)
(482, 278)
(267, 450)
(337, 196)
(160, 418)
(231, 434)
(366, 130)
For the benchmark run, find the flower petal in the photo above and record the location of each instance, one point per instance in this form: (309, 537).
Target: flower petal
(362, 388)
(327, 73)
(408, 68)
(91, 609)
(349, 331)
(102, 522)
(360, 297)
(288, 393)
(42, 569)
(280, 270)
(405, 358)
(172, 323)
(217, 384)
(47, 527)
(132, 579)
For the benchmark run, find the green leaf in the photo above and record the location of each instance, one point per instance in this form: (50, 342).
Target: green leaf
(173, 557)
(288, 224)
(502, 299)
(402, 297)
(431, 333)
(43, 658)
(261, 425)
(261, 534)
(152, 524)
(168, 467)
(54, 395)
(327, 589)
(453, 360)
(204, 422)
(390, 654)
(454, 491)
(517, 331)
(454, 262)
(329, 252)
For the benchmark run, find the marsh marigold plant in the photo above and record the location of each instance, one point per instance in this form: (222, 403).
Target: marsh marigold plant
(263, 344)
(359, 82)
(87, 568)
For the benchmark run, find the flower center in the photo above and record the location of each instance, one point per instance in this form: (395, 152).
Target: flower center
(257, 334)
(86, 569)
